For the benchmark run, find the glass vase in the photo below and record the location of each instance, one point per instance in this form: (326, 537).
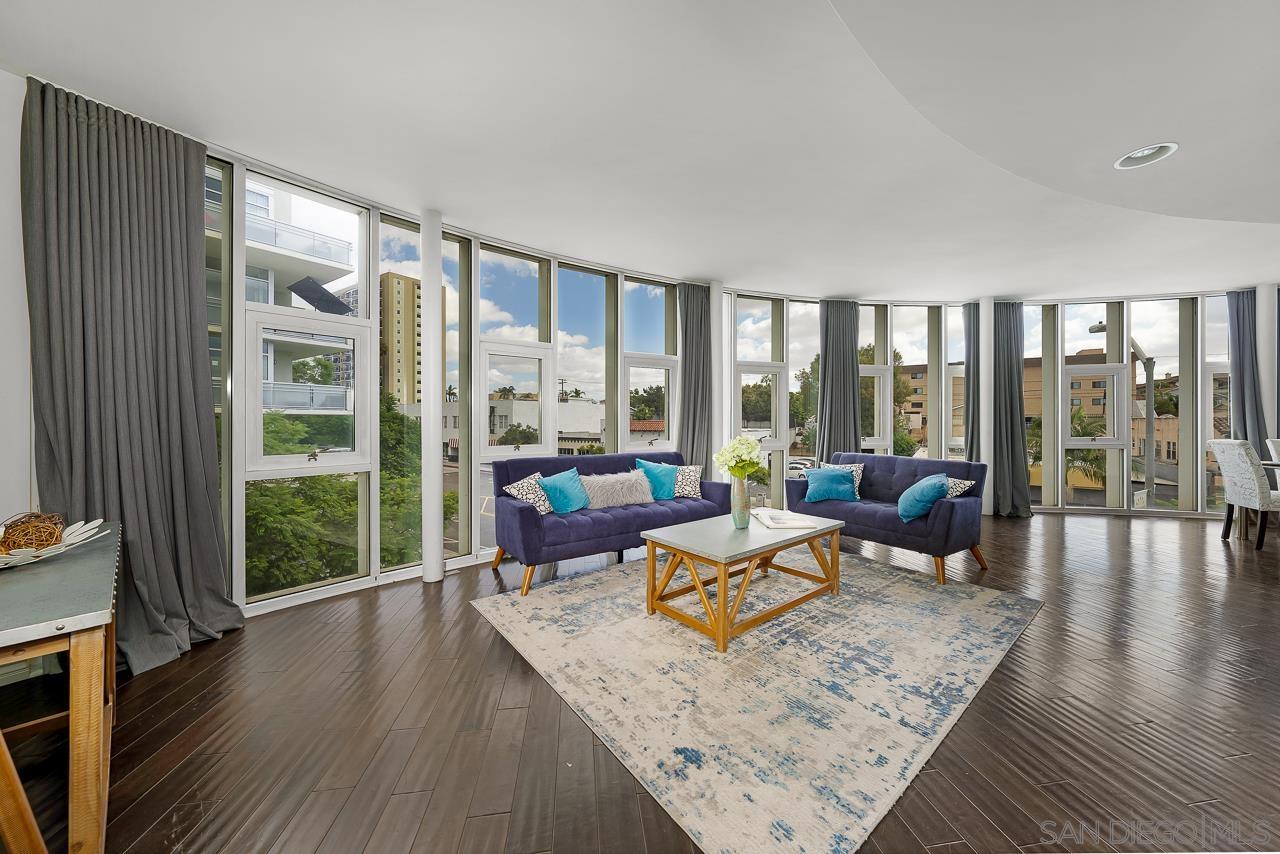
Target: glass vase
(739, 505)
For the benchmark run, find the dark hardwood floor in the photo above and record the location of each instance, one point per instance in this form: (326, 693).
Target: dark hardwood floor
(396, 719)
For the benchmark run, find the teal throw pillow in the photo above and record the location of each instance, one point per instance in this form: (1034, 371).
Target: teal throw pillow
(830, 485)
(662, 478)
(565, 491)
(919, 497)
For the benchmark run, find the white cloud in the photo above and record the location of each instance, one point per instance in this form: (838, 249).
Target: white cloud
(580, 366)
(513, 333)
(490, 312)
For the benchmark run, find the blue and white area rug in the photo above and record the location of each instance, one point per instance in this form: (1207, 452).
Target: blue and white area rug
(801, 736)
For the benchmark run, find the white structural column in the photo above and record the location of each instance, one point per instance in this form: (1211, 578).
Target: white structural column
(986, 372)
(433, 400)
(719, 414)
(1267, 355)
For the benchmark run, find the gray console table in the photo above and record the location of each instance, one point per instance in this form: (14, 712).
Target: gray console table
(65, 604)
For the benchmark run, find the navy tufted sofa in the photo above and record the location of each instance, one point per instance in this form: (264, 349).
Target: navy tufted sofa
(953, 524)
(532, 538)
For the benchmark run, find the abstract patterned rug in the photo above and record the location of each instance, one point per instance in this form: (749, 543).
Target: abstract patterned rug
(801, 736)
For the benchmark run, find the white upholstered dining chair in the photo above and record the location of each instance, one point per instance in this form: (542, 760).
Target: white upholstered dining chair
(1245, 482)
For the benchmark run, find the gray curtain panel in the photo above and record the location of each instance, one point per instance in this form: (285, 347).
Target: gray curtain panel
(838, 404)
(1011, 494)
(972, 368)
(113, 232)
(693, 433)
(1247, 420)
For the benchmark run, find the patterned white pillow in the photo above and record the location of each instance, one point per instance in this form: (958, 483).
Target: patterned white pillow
(956, 487)
(689, 482)
(530, 491)
(855, 469)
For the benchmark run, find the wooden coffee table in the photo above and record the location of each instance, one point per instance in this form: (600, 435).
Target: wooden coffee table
(734, 553)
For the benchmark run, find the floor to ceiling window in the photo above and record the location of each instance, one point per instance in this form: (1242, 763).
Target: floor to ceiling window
(586, 360)
(400, 297)
(953, 387)
(649, 364)
(911, 379)
(760, 383)
(515, 360)
(1215, 385)
(217, 278)
(1162, 385)
(875, 379)
(1094, 426)
(306, 340)
(457, 394)
(803, 365)
(1040, 400)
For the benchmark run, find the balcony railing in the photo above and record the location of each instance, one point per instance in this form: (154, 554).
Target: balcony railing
(306, 396)
(261, 229)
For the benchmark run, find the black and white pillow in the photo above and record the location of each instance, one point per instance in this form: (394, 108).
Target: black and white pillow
(688, 481)
(855, 469)
(956, 487)
(530, 491)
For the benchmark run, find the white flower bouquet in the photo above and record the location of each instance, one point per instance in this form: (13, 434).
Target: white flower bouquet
(740, 457)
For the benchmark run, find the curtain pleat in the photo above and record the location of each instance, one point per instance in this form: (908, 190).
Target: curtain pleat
(1011, 492)
(113, 235)
(838, 393)
(693, 433)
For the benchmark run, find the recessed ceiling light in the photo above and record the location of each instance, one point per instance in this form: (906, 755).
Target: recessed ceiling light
(1146, 155)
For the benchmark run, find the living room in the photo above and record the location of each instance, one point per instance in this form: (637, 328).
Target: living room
(836, 426)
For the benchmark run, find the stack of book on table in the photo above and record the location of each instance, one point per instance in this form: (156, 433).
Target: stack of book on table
(783, 519)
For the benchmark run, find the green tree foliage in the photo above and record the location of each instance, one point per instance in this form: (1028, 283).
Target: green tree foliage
(757, 401)
(1090, 463)
(519, 434)
(303, 530)
(317, 371)
(803, 403)
(649, 403)
(591, 448)
(904, 445)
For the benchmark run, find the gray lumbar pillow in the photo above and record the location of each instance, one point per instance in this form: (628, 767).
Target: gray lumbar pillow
(615, 490)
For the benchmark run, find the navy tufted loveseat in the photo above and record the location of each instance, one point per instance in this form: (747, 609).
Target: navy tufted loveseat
(532, 538)
(953, 524)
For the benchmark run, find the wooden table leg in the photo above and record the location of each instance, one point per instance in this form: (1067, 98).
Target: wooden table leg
(651, 580)
(835, 563)
(722, 608)
(18, 828)
(89, 735)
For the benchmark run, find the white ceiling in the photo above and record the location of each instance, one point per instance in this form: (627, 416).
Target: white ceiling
(752, 142)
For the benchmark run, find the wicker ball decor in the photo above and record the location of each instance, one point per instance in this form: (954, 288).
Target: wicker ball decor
(31, 531)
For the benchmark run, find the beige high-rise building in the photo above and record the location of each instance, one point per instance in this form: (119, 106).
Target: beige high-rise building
(401, 336)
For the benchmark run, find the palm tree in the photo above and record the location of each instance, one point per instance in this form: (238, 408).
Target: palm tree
(577, 394)
(1089, 463)
(506, 392)
(450, 393)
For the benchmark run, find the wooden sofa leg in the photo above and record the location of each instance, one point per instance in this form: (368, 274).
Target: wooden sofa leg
(977, 555)
(528, 579)
(940, 566)
(497, 559)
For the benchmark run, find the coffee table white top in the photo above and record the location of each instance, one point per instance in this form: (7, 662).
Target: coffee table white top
(717, 540)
